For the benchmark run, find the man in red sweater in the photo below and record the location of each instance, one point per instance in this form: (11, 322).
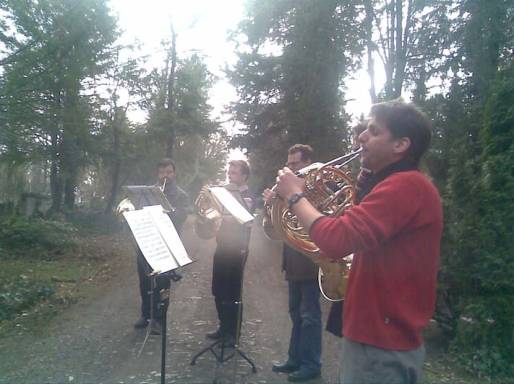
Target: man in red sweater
(394, 234)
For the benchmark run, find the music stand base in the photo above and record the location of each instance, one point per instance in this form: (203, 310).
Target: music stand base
(220, 355)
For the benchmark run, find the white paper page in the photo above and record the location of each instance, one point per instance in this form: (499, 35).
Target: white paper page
(231, 204)
(150, 240)
(169, 233)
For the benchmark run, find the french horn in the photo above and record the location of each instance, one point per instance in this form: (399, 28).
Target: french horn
(208, 215)
(209, 212)
(329, 187)
(124, 206)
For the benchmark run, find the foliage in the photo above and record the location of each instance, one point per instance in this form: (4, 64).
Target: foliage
(199, 145)
(64, 106)
(289, 79)
(91, 222)
(21, 294)
(411, 39)
(36, 237)
(55, 49)
(485, 252)
(473, 158)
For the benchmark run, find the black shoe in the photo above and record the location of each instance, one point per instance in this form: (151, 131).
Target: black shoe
(141, 323)
(285, 367)
(216, 335)
(156, 327)
(303, 375)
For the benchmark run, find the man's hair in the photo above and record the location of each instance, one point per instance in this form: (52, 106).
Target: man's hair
(405, 120)
(304, 149)
(243, 166)
(163, 163)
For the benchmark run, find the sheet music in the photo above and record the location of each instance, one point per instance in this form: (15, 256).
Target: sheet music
(231, 204)
(150, 241)
(169, 234)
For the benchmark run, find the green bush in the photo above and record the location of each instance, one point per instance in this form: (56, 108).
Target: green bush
(35, 237)
(477, 266)
(15, 296)
(94, 222)
(484, 339)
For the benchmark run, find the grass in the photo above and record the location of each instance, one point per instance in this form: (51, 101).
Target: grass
(61, 277)
(38, 290)
(65, 269)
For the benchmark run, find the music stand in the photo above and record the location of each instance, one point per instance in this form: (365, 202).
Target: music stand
(147, 195)
(162, 249)
(164, 295)
(217, 348)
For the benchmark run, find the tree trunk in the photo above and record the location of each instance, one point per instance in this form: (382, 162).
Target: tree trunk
(70, 187)
(55, 177)
(116, 166)
(69, 169)
(170, 143)
(71, 150)
(368, 22)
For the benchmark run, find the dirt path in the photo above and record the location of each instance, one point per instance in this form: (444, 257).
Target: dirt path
(94, 341)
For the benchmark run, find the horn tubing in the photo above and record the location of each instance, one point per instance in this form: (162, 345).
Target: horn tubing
(349, 157)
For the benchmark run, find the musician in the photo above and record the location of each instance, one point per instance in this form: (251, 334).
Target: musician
(304, 353)
(181, 204)
(230, 257)
(394, 234)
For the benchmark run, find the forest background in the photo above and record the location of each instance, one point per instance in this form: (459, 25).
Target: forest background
(67, 144)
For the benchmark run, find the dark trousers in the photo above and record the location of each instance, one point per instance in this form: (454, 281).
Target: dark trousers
(145, 289)
(227, 280)
(305, 312)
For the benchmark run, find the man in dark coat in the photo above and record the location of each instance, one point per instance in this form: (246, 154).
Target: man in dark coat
(304, 354)
(181, 204)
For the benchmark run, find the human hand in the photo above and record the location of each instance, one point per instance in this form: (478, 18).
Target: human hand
(288, 183)
(249, 202)
(268, 195)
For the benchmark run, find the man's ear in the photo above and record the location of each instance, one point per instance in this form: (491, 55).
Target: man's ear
(402, 145)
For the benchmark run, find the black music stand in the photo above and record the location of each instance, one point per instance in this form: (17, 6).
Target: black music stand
(162, 307)
(147, 195)
(218, 347)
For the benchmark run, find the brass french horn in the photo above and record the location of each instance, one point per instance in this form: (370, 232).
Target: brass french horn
(208, 215)
(330, 189)
(209, 212)
(124, 206)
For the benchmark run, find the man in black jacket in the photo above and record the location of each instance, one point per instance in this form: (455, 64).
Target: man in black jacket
(180, 202)
(304, 354)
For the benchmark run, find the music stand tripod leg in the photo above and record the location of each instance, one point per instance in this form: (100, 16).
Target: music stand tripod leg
(238, 334)
(206, 349)
(164, 295)
(161, 306)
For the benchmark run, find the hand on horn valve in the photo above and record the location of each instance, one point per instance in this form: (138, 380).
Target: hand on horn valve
(288, 183)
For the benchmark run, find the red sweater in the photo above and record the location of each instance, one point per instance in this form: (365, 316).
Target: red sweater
(395, 235)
